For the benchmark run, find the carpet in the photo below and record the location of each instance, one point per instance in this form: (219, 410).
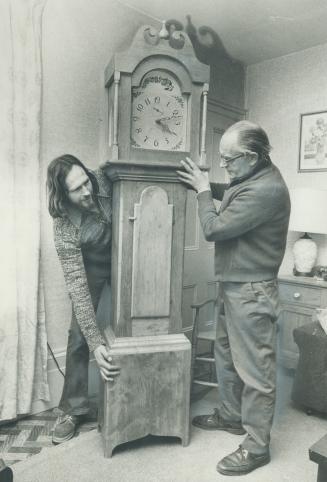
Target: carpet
(28, 436)
(162, 459)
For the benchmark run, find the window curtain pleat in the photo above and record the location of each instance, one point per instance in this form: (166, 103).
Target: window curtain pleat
(23, 348)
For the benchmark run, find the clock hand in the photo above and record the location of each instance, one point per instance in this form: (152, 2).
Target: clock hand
(171, 132)
(164, 127)
(171, 117)
(158, 110)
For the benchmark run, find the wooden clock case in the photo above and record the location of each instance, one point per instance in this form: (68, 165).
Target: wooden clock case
(151, 394)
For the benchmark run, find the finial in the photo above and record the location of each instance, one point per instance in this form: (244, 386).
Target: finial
(164, 32)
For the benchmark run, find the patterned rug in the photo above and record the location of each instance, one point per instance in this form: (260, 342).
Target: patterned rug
(28, 436)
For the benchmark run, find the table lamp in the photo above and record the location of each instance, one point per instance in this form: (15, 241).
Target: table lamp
(308, 215)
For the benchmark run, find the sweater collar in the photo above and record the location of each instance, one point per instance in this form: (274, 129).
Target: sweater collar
(74, 215)
(266, 162)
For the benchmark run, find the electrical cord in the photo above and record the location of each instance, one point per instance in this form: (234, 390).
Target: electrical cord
(55, 360)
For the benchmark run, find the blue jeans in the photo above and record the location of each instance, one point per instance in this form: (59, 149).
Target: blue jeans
(74, 398)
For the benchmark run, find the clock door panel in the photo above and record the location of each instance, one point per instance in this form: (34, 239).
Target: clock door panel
(152, 242)
(147, 253)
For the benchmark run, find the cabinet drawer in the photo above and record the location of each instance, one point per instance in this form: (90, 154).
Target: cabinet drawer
(304, 295)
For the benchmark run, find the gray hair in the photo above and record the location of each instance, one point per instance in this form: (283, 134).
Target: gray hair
(251, 137)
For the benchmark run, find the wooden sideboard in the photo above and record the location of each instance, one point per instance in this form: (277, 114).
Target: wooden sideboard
(299, 297)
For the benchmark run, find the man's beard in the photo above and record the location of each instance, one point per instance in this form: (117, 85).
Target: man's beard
(88, 203)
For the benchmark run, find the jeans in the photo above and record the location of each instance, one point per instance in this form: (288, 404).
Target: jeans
(74, 399)
(245, 354)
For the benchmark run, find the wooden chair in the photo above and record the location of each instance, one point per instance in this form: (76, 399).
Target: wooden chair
(206, 337)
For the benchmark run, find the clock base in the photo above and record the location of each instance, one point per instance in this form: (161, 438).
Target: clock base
(151, 396)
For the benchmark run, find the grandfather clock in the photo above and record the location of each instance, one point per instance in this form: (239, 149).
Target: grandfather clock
(157, 93)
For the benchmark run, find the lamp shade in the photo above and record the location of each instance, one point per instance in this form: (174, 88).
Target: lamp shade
(308, 211)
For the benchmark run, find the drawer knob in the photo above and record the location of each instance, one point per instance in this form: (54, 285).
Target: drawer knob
(297, 295)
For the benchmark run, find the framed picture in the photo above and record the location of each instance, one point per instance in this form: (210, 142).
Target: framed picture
(313, 142)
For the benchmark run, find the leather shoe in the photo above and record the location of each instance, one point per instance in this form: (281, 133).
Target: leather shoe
(216, 422)
(64, 429)
(242, 462)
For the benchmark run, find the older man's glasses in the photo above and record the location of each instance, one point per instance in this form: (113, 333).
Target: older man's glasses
(224, 161)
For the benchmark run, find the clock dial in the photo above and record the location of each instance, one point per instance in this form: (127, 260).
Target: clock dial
(158, 113)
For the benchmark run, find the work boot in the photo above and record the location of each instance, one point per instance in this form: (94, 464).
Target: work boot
(242, 462)
(216, 422)
(64, 429)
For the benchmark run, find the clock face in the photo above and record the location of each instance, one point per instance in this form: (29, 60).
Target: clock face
(159, 113)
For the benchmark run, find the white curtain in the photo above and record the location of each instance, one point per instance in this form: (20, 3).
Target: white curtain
(23, 350)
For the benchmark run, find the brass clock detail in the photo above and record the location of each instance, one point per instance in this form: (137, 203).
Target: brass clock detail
(159, 113)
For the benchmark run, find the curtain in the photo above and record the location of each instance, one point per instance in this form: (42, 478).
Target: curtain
(23, 350)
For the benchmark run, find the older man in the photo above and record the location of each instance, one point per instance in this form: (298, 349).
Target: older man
(249, 232)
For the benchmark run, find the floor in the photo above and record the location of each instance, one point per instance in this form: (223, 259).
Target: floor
(26, 437)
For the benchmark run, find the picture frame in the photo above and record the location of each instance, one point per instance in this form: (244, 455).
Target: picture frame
(313, 142)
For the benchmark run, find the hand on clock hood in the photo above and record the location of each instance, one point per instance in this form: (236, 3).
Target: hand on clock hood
(193, 176)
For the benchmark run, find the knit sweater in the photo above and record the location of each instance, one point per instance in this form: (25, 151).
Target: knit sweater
(250, 229)
(73, 242)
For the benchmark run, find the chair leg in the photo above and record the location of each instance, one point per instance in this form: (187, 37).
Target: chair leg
(194, 343)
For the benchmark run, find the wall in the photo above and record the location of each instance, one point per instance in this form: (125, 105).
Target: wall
(79, 38)
(277, 92)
